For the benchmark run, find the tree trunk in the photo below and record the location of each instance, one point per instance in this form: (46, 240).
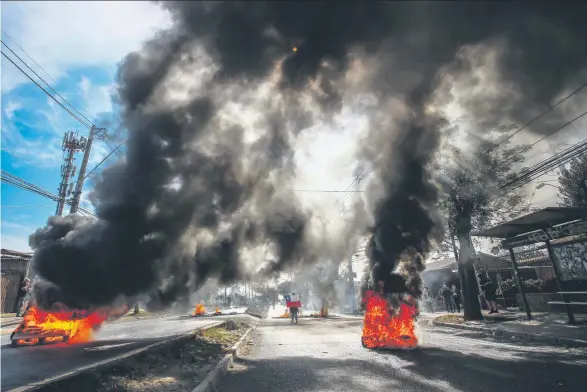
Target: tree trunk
(471, 306)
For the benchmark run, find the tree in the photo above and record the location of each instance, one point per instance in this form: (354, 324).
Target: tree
(570, 191)
(473, 200)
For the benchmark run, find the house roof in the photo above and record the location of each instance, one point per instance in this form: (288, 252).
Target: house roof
(542, 219)
(14, 253)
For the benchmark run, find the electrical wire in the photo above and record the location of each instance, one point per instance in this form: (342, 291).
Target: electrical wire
(538, 117)
(46, 92)
(89, 122)
(512, 158)
(546, 165)
(104, 159)
(15, 181)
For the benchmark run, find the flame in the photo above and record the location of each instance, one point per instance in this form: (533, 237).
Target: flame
(77, 326)
(200, 310)
(390, 330)
(218, 311)
(285, 314)
(295, 49)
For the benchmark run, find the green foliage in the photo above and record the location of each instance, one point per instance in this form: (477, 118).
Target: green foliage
(571, 194)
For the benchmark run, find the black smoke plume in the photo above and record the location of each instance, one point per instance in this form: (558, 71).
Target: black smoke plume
(196, 192)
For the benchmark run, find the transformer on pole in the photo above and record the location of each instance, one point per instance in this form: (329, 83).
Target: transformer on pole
(94, 133)
(71, 144)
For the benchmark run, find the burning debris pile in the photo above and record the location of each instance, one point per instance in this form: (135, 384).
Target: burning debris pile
(213, 108)
(200, 310)
(57, 326)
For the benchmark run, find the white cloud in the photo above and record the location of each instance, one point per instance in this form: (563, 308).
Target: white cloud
(63, 35)
(37, 152)
(10, 108)
(15, 236)
(97, 98)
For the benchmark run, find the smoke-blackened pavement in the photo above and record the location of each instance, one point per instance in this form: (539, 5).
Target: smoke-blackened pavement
(326, 355)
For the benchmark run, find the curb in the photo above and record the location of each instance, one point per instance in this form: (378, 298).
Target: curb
(40, 384)
(211, 381)
(524, 336)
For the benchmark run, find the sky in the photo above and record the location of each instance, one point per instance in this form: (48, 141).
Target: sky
(76, 46)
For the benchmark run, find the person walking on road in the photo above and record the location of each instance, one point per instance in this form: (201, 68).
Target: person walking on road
(456, 296)
(293, 313)
(488, 288)
(446, 294)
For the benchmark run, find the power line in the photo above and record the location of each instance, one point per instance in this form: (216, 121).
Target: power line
(89, 122)
(546, 165)
(29, 56)
(18, 182)
(538, 117)
(511, 159)
(45, 91)
(104, 159)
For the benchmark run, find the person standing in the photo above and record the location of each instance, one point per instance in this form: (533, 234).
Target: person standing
(427, 301)
(446, 294)
(489, 288)
(456, 296)
(23, 289)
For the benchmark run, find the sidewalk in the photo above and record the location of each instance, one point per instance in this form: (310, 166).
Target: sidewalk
(549, 328)
(8, 321)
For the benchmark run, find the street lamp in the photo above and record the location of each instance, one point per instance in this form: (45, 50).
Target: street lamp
(542, 184)
(538, 186)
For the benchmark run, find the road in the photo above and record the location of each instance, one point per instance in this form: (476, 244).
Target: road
(25, 365)
(326, 355)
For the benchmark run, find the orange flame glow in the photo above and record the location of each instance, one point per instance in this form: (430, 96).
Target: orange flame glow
(381, 329)
(200, 310)
(218, 311)
(77, 326)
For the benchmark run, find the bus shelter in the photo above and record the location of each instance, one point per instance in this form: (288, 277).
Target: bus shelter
(563, 231)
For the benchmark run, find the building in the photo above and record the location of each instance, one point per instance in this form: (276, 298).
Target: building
(14, 267)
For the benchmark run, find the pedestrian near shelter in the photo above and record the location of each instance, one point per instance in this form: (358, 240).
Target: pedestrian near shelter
(563, 230)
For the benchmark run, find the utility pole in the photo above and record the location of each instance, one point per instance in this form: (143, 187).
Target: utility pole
(94, 132)
(583, 186)
(71, 144)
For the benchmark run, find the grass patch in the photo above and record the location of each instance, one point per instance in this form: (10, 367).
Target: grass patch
(180, 366)
(450, 318)
(8, 315)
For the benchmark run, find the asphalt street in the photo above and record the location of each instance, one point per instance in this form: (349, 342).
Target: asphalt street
(326, 355)
(25, 365)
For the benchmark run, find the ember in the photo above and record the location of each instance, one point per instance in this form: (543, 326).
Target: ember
(200, 310)
(40, 326)
(383, 328)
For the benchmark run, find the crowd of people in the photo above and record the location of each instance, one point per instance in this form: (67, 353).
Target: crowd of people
(452, 298)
